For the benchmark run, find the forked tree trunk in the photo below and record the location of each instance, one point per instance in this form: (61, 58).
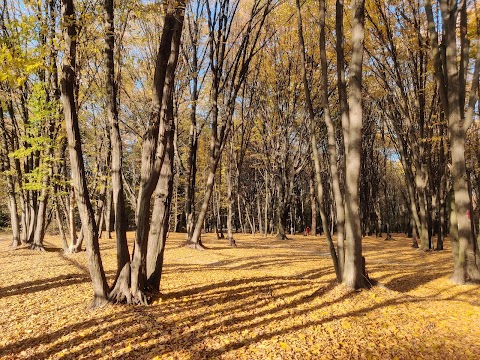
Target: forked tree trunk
(155, 143)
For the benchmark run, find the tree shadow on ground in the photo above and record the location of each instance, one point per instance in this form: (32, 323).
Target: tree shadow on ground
(30, 287)
(140, 325)
(409, 282)
(187, 319)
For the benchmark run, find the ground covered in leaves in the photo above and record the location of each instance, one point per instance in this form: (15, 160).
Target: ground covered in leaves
(265, 299)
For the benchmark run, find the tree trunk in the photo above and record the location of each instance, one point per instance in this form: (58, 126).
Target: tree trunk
(161, 212)
(282, 210)
(314, 148)
(251, 220)
(108, 213)
(74, 245)
(230, 198)
(58, 217)
(441, 197)
(354, 276)
(12, 201)
(67, 86)
(266, 204)
(117, 192)
(154, 145)
(41, 216)
(259, 210)
(332, 143)
(465, 266)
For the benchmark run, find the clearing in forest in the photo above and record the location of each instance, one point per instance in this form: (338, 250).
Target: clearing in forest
(265, 299)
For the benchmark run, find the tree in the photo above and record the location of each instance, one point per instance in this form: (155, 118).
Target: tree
(451, 75)
(230, 57)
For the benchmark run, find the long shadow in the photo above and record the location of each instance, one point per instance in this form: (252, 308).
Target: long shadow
(31, 287)
(411, 281)
(28, 343)
(170, 335)
(239, 297)
(200, 290)
(241, 263)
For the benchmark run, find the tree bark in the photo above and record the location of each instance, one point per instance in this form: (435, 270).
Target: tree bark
(154, 145)
(354, 276)
(465, 266)
(118, 196)
(67, 87)
(332, 143)
(161, 211)
(314, 148)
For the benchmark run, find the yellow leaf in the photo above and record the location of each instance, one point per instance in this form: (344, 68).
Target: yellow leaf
(283, 345)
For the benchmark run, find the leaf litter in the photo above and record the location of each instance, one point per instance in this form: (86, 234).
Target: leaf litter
(264, 299)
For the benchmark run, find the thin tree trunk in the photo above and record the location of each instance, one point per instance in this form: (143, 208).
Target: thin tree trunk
(71, 221)
(251, 220)
(58, 217)
(266, 204)
(313, 204)
(230, 198)
(332, 143)
(314, 148)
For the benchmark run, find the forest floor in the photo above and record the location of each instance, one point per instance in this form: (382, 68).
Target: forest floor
(265, 299)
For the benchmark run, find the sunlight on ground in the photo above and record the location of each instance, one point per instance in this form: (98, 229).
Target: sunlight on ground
(265, 299)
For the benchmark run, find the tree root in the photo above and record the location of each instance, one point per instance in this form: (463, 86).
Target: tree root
(36, 247)
(458, 277)
(72, 250)
(473, 274)
(97, 302)
(15, 243)
(232, 243)
(196, 246)
(122, 293)
(468, 275)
